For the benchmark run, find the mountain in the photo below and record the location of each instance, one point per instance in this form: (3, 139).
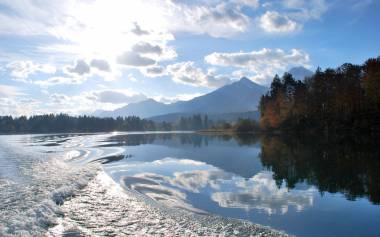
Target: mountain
(144, 109)
(300, 73)
(240, 96)
(227, 117)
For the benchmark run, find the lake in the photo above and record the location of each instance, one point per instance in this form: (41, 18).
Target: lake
(305, 186)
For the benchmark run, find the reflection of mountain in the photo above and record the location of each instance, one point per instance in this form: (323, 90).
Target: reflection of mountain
(219, 151)
(350, 166)
(177, 139)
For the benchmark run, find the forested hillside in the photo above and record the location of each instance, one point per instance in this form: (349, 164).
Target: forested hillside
(346, 98)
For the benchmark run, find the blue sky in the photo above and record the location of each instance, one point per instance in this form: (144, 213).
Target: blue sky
(79, 56)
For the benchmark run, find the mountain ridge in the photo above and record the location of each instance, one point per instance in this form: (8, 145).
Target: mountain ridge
(300, 73)
(240, 96)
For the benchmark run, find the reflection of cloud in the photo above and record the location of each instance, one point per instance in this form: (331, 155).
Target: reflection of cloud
(195, 180)
(261, 192)
(149, 185)
(169, 160)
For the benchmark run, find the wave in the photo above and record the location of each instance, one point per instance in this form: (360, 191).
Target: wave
(39, 217)
(33, 188)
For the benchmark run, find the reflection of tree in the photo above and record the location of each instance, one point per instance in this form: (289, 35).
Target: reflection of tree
(246, 139)
(350, 165)
(193, 139)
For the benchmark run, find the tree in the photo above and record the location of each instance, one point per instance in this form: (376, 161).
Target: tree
(371, 81)
(346, 98)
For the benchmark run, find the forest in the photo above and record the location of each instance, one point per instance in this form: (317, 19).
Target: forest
(51, 123)
(346, 98)
(64, 123)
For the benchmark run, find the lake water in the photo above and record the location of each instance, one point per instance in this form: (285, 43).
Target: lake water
(304, 186)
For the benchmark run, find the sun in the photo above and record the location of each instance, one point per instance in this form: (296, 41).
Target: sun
(104, 28)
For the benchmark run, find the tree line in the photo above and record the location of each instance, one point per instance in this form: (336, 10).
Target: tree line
(345, 98)
(51, 123)
(63, 123)
(195, 122)
(240, 126)
(202, 122)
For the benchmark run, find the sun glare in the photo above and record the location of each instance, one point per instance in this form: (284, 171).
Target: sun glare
(102, 29)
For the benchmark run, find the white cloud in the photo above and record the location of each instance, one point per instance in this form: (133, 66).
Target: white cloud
(138, 31)
(187, 73)
(12, 25)
(290, 15)
(100, 64)
(361, 4)
(219, 20)
(75, 19)
(131, 77)
(115, 96)
(147, 48)
(10, 91)
(74, 105)
(19, 106)
(294, 4)
(303, 11)
(135, 60)
(154, 71)
(53, 81)
(144, 54)
(80, 68)
(264, 63)
(249, 3)
(89, 101)
(59, 98)
(176, 98)
(22, 69)
(274, 22)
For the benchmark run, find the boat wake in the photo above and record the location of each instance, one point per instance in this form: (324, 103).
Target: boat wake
(104, 208)
(65, 193)
(33, 186)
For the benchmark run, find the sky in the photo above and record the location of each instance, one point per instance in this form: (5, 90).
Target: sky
(78, 56)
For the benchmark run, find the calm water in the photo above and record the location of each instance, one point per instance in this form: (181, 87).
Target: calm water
(305, 186)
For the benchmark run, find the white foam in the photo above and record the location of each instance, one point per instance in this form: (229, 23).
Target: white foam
(30, 204)
(104, 208)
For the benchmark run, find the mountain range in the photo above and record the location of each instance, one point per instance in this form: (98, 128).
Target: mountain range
(239, 99)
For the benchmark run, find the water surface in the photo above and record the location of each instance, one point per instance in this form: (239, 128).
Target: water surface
(305, 186)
